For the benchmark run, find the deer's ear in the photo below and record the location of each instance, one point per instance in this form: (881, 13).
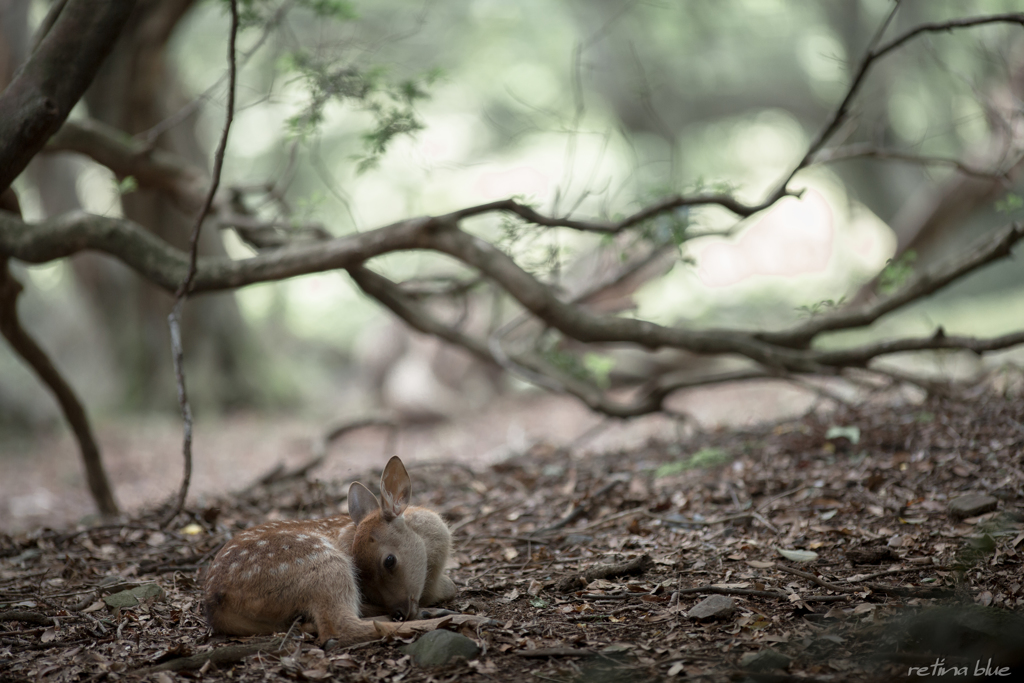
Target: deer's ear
(395, 488)
(360, 502)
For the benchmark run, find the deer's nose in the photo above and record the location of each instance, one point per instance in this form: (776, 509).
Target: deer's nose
(406, 612)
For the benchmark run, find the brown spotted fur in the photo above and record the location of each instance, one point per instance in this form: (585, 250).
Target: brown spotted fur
(333, 571)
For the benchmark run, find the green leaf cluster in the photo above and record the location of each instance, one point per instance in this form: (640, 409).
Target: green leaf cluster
(260, 13)
(392, 105)
(897, 272)
(814, 309)
(1010, 204)
(594, 368)
(702, 459)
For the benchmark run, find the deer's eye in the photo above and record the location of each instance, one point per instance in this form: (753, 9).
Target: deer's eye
(389, 562)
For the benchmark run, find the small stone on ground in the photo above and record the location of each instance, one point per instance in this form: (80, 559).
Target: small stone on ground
(972, 505)
(714, 607)
(437, 648)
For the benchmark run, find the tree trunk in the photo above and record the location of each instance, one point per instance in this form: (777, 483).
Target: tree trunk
(136, 90)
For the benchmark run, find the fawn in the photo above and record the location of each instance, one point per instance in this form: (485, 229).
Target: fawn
(383, 558)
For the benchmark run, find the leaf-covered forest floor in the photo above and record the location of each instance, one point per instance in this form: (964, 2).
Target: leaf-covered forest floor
(834, 548)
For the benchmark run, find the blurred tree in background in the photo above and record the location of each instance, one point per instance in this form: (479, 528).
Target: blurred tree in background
(689, 129)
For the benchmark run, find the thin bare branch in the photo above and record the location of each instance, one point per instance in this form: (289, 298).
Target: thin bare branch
(649, 399)
(997, 246)
(866, 151)
(185, 183)
(33, 355)
(876, 50)
(859, 356)
(531, 215)
(841, 112)
(414, 314)
(155, 169)
(173, 319)
(946, 27)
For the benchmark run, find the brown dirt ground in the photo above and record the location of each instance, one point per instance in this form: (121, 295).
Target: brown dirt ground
(41, 483)
(711, 510)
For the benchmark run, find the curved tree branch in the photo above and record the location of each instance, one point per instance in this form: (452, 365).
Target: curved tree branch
(33, 354)
(947, 27)
(997, 246)
(866, 151)
(165, 266)
(777, 351)
(51, 82)
(672, 203)
(876, 50)
(186, 184)
(647, 399)
(126, 156)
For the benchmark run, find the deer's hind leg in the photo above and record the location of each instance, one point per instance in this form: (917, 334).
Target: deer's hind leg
(329, 596)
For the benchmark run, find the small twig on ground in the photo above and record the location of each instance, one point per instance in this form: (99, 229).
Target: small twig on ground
(581, 508)
(724, 590)
(27, 617)
(220, 655)
(889, 572)
(157, 565)
(610, 518)
(637, 565)
(764, 521)
(779, 496)
(818, 580)
(897, 591)
(683, 522)
(60, 539)
(479, 518)
(508, 537)
(543, 652)
(87, 599)
(54, 644)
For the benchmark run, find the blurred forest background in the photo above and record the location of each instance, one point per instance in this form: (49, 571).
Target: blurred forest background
(595, 107)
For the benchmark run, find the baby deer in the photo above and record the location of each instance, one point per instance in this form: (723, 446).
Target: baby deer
(383, 558)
